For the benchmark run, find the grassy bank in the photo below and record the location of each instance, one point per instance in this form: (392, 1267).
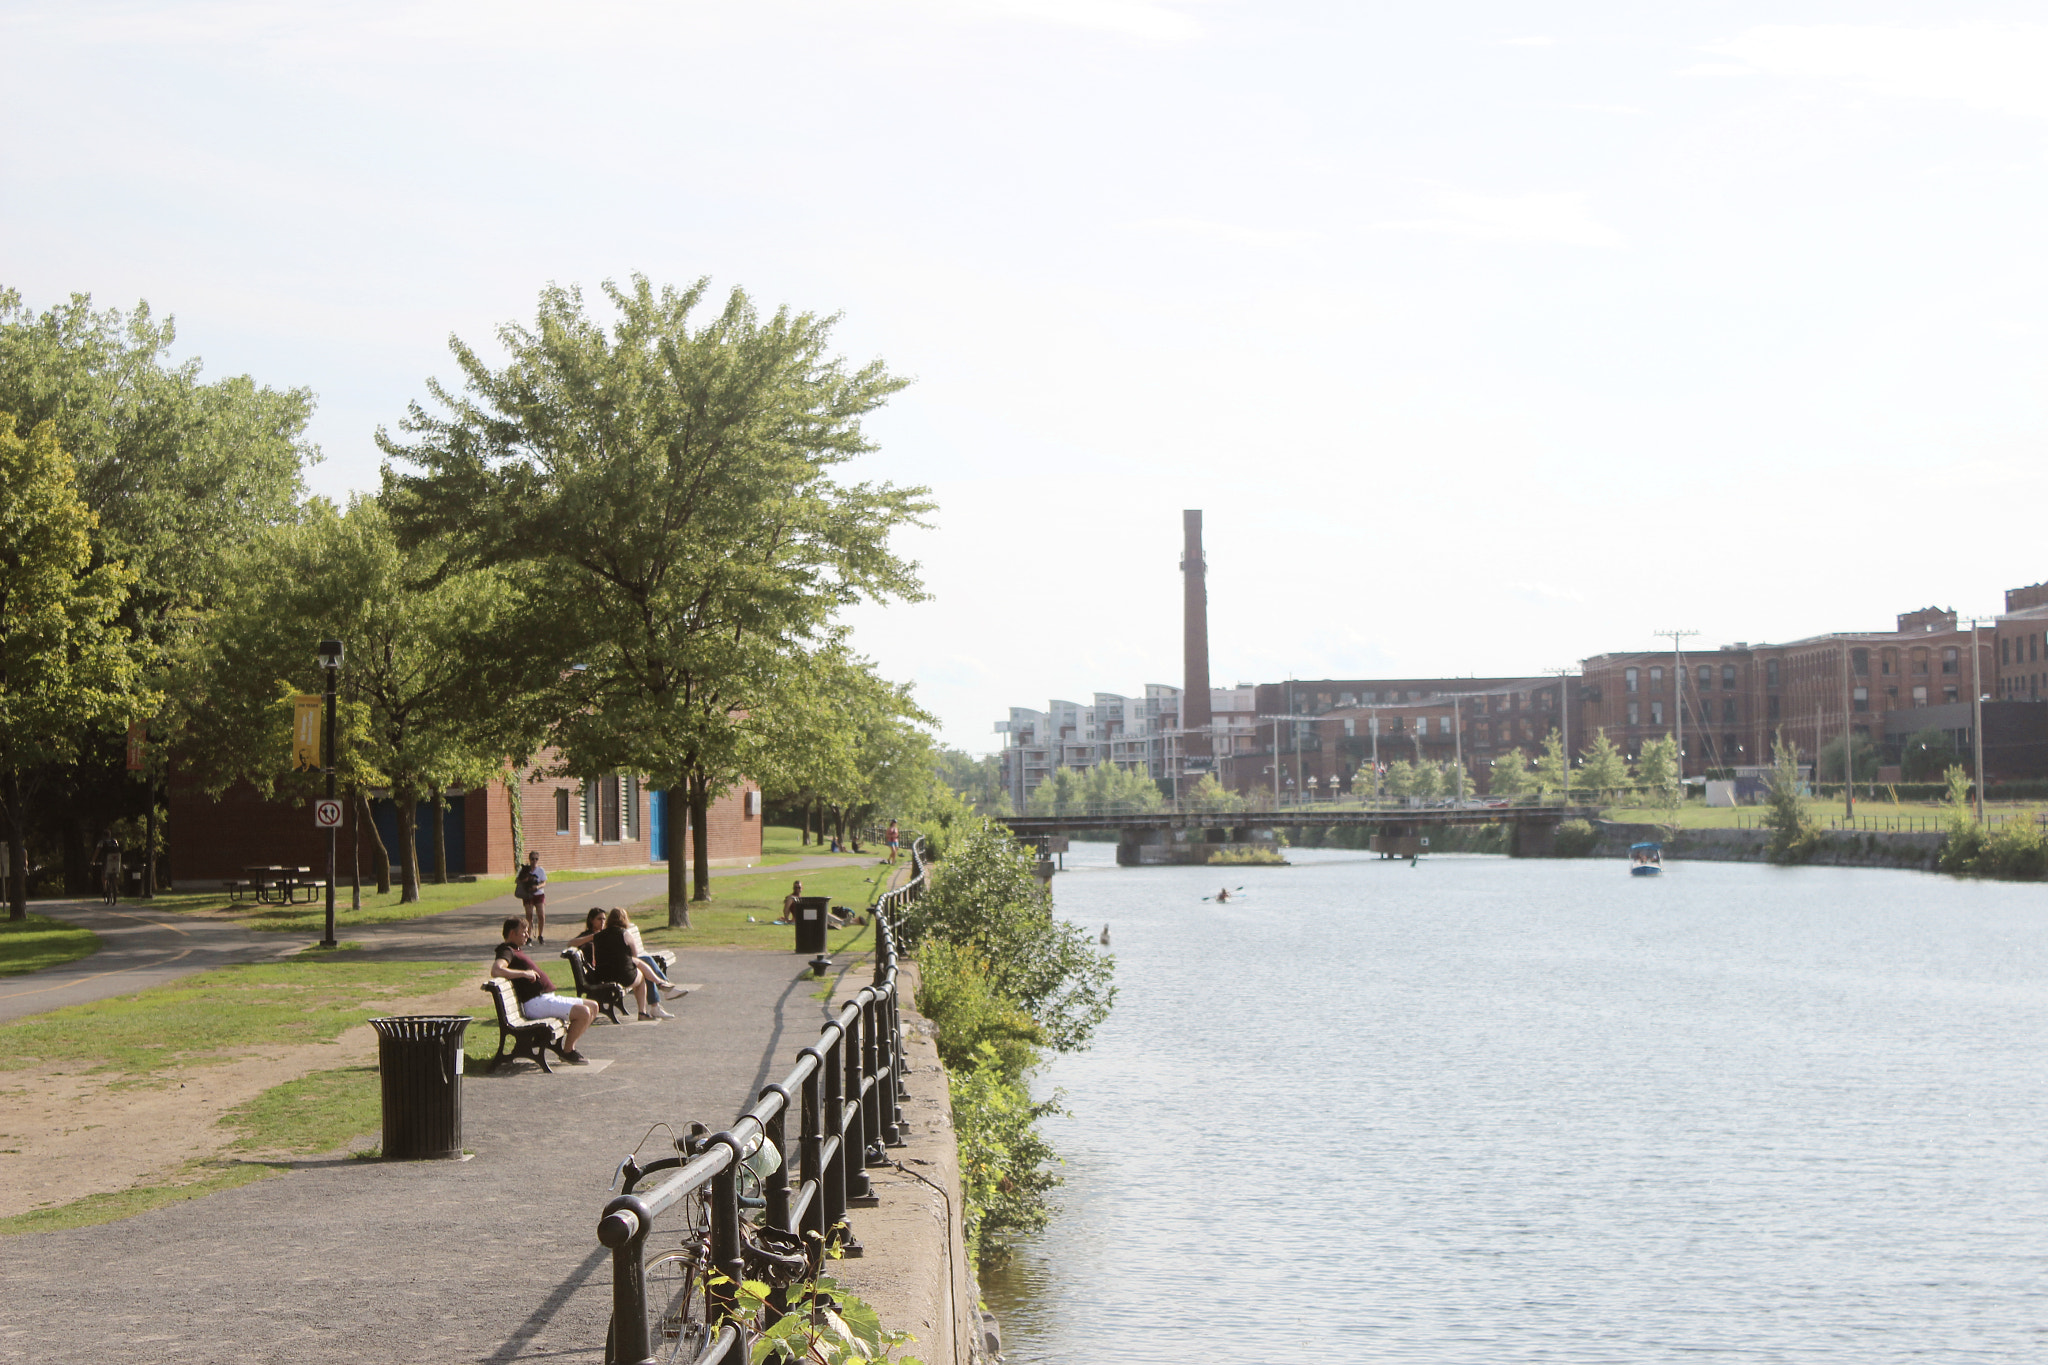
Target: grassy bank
(31, 944)
(742, 909)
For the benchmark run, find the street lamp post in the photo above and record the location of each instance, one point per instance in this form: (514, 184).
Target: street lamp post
(330, 663)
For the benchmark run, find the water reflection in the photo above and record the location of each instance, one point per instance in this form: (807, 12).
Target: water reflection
(1485, 1110)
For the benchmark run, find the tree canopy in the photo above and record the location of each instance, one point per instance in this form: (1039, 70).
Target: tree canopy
(673, 484)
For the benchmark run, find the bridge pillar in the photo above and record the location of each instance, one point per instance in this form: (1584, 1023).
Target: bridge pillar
(1533, 837)
(1130, 842)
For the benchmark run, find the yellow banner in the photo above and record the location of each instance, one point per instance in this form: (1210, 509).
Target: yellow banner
(305, 731)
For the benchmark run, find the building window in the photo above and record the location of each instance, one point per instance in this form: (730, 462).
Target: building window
(1656, 680)
(1859, 662)
(1656, 713)
(1885, 664)
(1859, 698)
(561, 810)
(2033, 649)
(1771, 675)
(1706, 677)
(1920, 661)
(1919, 696)
(629, 808)
(1948, 693)
(1635, 713)
(1949, 658)
(1728, 710)
(586, 825)
(1771, 706)
(1630, 679)
(2004, 653)
(1728, 676)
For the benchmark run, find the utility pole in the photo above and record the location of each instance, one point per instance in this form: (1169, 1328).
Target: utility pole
(329, 655)
(1374, 722)
(1976, 722)
(1678, 701)
(1849, 732)
(1564, 726)
(1458, 743)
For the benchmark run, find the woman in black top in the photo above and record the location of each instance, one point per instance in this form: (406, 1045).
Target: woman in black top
(612, 959)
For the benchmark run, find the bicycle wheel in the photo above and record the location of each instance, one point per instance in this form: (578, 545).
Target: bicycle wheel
(681, 1326)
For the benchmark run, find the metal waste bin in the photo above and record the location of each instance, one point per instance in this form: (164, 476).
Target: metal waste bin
(419, 1060)
(810, 923)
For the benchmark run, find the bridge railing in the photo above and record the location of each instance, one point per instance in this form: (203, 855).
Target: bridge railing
(840, 1106)
(1238, 814)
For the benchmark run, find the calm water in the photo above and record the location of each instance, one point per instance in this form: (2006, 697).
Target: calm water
(1484, 1110)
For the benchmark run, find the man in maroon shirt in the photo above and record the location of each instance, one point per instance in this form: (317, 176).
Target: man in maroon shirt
(537, 998)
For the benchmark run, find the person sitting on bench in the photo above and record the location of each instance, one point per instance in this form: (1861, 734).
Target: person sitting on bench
(536, 994)
(612, 959)
(659, 981)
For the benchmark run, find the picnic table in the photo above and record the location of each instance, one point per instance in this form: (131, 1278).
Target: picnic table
(280, 885)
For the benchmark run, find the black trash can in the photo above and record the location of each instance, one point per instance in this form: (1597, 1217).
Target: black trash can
(419, 1059)
(810, 923)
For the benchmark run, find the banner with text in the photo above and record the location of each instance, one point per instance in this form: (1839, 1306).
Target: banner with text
(305, 731)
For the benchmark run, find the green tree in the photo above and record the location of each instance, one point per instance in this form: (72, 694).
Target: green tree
(979, 781)
(1657, 770)
(1863, 760)
(1400, 779)
(1063, 792)
(411, 635)
(1208, 794)
(66, 665)
(1113, 790)
(674, 484)
(1794, 832)
(1510, 776)
(1552, 767)
(1925, 756)
(177, 472)
(1604, 770)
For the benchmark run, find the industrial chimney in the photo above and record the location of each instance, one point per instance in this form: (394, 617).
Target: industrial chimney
(1194, 700)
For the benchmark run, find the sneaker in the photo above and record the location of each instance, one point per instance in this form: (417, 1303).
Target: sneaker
(574, 1058)
(660, 1013)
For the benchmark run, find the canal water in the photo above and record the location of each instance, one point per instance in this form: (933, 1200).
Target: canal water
(1489, 1110)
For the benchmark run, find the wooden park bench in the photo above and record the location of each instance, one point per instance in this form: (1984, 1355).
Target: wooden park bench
(528, 1037)
(608, 996)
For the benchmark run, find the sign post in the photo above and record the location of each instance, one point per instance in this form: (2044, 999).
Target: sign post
(327, 814)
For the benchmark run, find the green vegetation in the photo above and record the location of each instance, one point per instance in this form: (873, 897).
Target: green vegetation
(203, 1178)
(1924, 757)
(316, 1113)
(1863, 758)
(1101, 790)
(1001, 978)
(31, 944)
(1247, 857)
(218, 1015)
(1794, 832)
(1575, 839)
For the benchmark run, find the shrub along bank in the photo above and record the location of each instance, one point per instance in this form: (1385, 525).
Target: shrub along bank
(1002, 980)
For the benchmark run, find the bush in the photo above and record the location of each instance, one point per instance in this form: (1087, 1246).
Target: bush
(1574, 839)
(1005, 1165)
(953, 992)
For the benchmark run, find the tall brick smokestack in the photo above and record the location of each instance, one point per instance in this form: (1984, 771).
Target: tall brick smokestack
(1194, 700)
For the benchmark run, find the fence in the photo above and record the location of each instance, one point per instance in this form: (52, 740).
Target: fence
(1893, 824)
(846, 1090)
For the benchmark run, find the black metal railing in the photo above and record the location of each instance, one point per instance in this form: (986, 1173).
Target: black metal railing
(846, 1092)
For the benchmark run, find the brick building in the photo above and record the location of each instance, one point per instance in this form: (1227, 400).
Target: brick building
(605, 822)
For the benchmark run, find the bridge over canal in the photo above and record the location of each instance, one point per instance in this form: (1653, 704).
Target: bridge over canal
(1185, 837)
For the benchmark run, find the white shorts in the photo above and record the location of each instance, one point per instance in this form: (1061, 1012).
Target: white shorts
(549, 1007)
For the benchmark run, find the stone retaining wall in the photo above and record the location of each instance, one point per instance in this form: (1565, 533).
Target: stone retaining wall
(1839, 848)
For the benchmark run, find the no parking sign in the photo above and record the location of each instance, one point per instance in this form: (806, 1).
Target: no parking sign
(327, 813)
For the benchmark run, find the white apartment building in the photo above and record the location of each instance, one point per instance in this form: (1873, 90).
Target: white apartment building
(1141, 733)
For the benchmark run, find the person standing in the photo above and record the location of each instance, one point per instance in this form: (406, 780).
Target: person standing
(895, 839)
(531, 886)
(110, 869)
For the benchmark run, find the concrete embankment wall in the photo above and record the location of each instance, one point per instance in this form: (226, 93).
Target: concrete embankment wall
(1838, 848)
(914, 1266)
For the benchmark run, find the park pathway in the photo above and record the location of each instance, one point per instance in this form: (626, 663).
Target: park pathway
(143, 947)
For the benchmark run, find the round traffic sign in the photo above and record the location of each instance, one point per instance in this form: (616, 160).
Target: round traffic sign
(326, 813)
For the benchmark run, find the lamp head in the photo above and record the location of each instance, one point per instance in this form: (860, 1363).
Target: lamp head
(329, 654)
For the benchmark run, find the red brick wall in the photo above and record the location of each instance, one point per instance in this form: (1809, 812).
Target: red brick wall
(214, 841)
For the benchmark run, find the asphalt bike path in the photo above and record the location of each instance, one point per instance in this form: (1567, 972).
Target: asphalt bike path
(142, 947)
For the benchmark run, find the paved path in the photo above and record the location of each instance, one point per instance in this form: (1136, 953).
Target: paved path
(143, 947)
(493, 1259)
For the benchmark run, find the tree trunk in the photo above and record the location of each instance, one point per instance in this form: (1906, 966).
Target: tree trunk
(807, 824)
(515, 802)
(377, 838)
(149, 845)
(355, 856)
(700, 842)
(438, 803)
(839, 826)
(673, 802)
(17, 851)
(408, 804)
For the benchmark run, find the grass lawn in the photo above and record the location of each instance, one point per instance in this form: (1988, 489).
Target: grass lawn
(29, 945)
(213, 1016)
(723, 923)
(780, 843)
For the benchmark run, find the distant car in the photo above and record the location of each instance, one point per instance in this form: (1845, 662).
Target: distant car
(1500, 804)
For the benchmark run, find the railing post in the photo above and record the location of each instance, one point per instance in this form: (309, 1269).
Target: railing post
(817, 1226)
(832, 1187)
(872, 1064)
(859, 1193)
(723, 1297)
(624, 1228)
(775, 1189)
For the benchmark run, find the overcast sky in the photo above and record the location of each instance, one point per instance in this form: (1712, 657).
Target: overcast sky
(1488, 336)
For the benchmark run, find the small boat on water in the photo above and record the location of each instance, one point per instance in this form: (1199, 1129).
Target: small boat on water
(1645, 860)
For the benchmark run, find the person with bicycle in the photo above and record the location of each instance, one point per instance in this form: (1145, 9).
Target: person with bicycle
(536, 994)
(110, 869)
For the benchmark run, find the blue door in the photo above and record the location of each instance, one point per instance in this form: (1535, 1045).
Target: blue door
(385, 812)
(657, 826)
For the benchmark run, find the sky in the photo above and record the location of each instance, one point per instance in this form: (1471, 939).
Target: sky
(1487, 336)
